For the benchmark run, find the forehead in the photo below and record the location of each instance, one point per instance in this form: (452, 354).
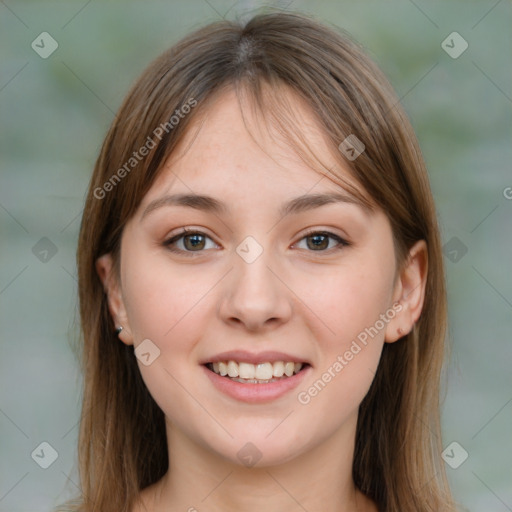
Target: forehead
(234, 144)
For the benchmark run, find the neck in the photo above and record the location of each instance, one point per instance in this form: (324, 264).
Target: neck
(200, 479)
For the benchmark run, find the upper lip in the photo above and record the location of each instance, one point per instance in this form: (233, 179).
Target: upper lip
(242, 356)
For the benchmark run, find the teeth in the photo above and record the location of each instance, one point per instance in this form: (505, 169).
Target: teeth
(264, 371)
(288, 369)
(256, 372)
(246, 371)
(222, 370)
(232, 369)
(278, 369)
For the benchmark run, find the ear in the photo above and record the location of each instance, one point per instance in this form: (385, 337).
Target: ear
(105, 269)
(409, 292)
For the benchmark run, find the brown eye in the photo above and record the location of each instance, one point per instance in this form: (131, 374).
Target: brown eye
(321, 241)
(194, 242)
(317, 242)
(190, 241)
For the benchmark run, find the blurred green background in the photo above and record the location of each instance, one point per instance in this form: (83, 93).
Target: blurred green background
(54, 114)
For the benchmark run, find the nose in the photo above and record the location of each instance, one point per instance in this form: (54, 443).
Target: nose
(254, 296)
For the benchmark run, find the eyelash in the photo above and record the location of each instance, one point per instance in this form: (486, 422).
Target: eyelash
(169, 242)
(341, 241)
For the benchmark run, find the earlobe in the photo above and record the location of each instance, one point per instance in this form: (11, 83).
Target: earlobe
(111, 285)
(409, 292)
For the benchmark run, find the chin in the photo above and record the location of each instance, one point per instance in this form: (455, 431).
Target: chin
(259, 450)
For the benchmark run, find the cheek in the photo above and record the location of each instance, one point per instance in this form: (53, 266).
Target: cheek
(344, 303)
(348, 359)
(160, 297)
(168, 307)
(351, 312)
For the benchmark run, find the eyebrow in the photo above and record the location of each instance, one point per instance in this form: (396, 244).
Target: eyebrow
(196, 201)
(294, 206)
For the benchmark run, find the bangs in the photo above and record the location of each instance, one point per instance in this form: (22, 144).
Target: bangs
(286, 118)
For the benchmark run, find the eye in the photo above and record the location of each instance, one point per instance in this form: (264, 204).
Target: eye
(189, 241)
(322, 241)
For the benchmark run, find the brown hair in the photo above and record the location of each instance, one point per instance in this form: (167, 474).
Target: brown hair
(122, 435)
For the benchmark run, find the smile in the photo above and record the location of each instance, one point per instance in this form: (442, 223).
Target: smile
(256, 383)
(262, 373)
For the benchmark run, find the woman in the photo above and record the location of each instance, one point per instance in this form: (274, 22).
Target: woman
(261, 285)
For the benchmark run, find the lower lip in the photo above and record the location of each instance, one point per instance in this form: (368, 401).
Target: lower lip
(256, 393)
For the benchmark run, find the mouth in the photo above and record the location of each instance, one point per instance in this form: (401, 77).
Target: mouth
(256, 378)
(261, 373)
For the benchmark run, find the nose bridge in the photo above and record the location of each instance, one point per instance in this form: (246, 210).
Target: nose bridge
(254, 295)
(254, 278)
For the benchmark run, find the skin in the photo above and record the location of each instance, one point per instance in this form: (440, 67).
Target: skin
(293, 298)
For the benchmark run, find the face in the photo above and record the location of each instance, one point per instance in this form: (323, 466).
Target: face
(279, 270)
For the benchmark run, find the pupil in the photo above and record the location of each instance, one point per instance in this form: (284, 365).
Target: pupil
(319, 241)
(194, 241)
